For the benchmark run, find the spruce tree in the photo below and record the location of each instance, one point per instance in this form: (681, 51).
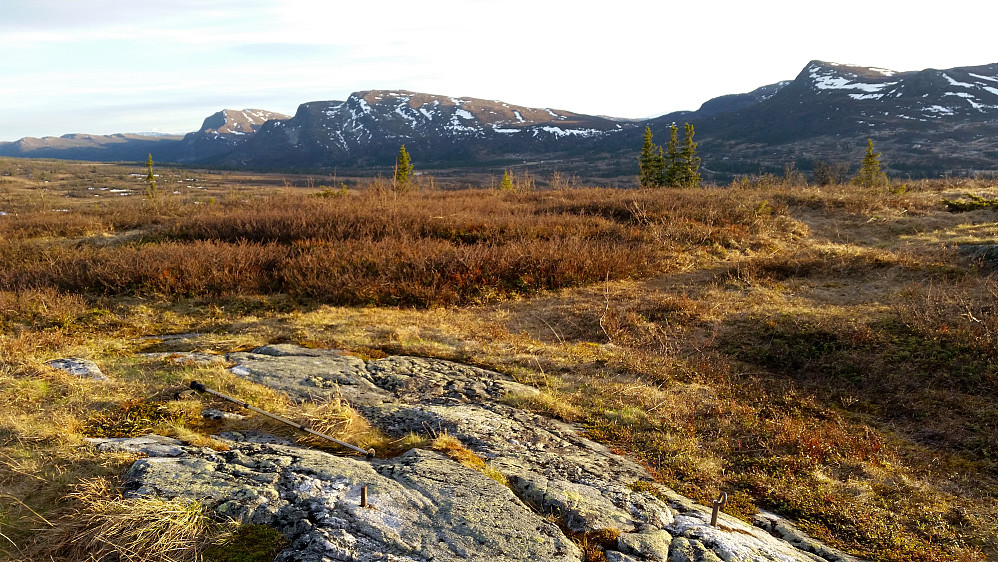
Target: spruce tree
(670, 162)
(507, 181)
(870, 174)
(650, 162)
(688, 168)
(151, 178)
(403, 169)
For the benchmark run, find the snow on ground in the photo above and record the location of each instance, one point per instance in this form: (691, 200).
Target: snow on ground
(953, 82)
(401, 110)
(988, 78)
(824, 79)
(939, 109)
(559, 132)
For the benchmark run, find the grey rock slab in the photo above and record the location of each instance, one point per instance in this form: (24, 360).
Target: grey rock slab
(422, 506)
(83, 368)
(734, 541)
(789, 532)
(421, 378)
(149, 444)
(548, 465)
(309, 374)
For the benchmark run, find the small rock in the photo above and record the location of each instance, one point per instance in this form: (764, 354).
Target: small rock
(83, 368)
(653, 545)
(212, 414)
(150, 444)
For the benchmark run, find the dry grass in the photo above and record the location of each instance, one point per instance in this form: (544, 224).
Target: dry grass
(107, 526)
(825, 353)
(453, 448)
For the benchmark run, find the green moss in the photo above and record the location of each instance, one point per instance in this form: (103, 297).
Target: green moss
(250, 543)
(973, 204)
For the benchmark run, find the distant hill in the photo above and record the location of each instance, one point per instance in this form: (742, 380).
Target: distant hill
(926, 123)
(91, 147)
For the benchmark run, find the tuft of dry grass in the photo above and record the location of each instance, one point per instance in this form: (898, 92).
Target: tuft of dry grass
(106, 525)
(453, 448)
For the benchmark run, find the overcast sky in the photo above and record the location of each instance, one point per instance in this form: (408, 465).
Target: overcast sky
(108, 66)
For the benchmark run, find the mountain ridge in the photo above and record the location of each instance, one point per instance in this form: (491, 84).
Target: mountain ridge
(927, 122)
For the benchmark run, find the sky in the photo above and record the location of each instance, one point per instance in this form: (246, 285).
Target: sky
(112, 66)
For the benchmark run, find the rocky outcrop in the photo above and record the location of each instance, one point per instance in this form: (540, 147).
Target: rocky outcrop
(424, 506)
(83, 368)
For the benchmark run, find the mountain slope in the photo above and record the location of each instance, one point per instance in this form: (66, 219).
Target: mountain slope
(368, 127)
(928, 122)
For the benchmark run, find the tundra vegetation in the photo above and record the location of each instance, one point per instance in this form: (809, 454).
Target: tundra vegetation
(828, 353)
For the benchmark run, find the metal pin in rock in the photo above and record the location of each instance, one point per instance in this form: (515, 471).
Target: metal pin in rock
(363, 496)
(718, 504)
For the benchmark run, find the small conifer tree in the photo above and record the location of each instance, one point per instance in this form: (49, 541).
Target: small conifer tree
(688, 164)
(403, 169)
(507, 181)
(650, 162)
(870, 174)
(151, 178)
(670, 162)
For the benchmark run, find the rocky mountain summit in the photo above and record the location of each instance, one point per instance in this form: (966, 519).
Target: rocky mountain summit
(229, 122)
(424, 506)
(221, 133)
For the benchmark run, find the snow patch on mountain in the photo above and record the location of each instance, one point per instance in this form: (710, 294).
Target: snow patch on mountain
(980, 77)
(831, 79)
(559, 132)
(939, 109)
(953, 82)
